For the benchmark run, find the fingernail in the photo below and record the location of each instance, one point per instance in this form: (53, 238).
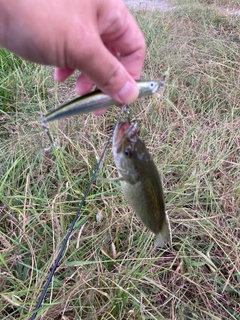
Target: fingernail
(128, 93)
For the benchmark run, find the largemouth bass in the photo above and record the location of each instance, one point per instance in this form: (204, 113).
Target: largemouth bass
(140, 181)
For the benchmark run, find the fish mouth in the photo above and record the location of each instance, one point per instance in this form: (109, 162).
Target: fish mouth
(121, 128)
(124, 130)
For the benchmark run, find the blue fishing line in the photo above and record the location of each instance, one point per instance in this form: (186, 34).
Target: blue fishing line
(59, 256)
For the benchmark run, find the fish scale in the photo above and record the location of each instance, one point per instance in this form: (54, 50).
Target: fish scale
(140, 181)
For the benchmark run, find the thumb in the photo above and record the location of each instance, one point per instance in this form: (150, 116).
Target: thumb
(109, 75)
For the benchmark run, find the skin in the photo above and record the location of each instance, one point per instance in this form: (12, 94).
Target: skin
(100, 38)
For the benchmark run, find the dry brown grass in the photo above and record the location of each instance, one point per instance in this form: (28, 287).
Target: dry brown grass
(111, 270)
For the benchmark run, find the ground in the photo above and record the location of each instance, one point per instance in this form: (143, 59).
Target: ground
(165, 6)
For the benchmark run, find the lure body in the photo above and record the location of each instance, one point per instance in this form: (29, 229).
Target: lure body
(140, 181)
(97, 100)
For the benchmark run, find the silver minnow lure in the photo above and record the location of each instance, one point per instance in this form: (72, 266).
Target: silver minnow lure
(97, 100)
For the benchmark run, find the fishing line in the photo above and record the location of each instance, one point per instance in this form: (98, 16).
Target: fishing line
(59, 256)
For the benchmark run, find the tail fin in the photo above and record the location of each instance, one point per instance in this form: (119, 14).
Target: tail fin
(165, 235)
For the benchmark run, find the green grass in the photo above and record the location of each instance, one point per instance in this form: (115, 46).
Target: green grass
(110, 269)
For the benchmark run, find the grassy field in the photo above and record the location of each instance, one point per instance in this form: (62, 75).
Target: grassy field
(110, 269)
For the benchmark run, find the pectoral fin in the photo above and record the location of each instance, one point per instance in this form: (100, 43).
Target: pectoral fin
(109, 180)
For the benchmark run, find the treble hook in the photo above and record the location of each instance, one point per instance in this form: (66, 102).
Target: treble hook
(126, 110)
(46, 129)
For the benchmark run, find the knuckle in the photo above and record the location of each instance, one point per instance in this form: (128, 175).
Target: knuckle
(82, 46)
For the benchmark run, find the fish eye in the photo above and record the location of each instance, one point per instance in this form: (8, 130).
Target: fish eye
(127, 153)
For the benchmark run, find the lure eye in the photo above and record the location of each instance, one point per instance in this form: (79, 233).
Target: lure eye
(127, 153)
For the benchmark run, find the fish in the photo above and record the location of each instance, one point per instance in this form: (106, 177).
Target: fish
(97, 100)
(140, 180)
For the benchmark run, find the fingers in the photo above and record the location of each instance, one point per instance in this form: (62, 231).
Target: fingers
(112, 78)
(124, 37)
(108, 49)
(84, 84)
(118, 35)
(100, 112)
(105, 70)
(61, 74)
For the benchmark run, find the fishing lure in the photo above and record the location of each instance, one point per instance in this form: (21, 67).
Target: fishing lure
(97, 100)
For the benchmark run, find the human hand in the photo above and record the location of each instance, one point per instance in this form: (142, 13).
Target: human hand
(97, 37)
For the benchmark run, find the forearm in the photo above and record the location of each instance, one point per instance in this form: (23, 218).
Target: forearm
(3, 21)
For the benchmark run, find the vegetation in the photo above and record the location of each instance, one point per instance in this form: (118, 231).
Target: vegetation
(111, 269)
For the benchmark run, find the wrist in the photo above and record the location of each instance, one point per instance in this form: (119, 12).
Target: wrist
(7, 14)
